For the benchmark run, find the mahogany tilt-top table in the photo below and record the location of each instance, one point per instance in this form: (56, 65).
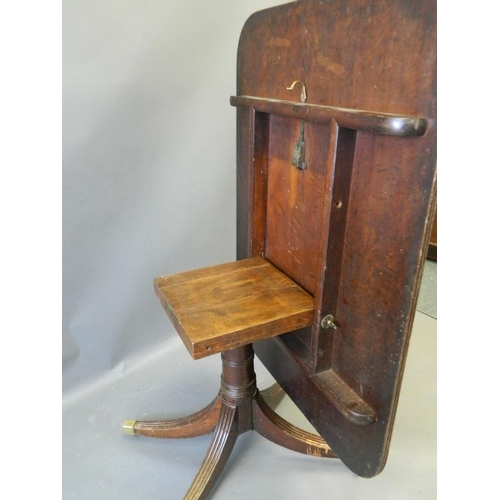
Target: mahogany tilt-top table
(336, 183)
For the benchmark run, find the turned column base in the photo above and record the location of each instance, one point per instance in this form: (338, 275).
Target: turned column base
(238, 408)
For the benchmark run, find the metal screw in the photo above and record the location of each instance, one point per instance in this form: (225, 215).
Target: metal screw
(329, 322)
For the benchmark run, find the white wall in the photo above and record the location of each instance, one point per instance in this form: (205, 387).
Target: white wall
(148, 166)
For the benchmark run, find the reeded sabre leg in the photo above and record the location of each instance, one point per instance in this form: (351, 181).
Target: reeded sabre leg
(217, 455)
(270, 425)
(273, 395)
(198, 424)
(238, 408)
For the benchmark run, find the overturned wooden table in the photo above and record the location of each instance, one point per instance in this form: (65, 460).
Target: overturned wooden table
(336, 185)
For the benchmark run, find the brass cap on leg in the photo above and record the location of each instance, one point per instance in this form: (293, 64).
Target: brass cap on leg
(128, 427)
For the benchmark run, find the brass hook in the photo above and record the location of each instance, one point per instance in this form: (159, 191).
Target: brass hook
(303, 95)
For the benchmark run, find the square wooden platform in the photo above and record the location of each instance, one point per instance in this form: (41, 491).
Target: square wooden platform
(222, 307)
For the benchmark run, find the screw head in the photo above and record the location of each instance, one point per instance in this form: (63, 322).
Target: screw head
(328, 322)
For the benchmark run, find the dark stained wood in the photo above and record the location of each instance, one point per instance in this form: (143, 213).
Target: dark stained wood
(221, 307)
(270, 425)
(252, 158)
(198, 424)
(238, 408)
(296, 201)
(376, 56)
(371, 59)
(260, 167)
(346, 400)
(335, 220)
(273, 395)
(433, 240)
(218, 453)
(370, 121)
(343, 238)
(247, 220)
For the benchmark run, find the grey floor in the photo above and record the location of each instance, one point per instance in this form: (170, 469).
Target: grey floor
(100, 463)
(427, 298)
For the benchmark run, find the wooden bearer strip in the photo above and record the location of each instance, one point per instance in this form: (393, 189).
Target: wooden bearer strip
(377, 123)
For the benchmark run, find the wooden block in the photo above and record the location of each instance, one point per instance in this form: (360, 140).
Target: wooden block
(226, 306)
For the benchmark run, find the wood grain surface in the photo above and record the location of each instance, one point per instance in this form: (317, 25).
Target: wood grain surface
(229, 305)
(353, 227)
